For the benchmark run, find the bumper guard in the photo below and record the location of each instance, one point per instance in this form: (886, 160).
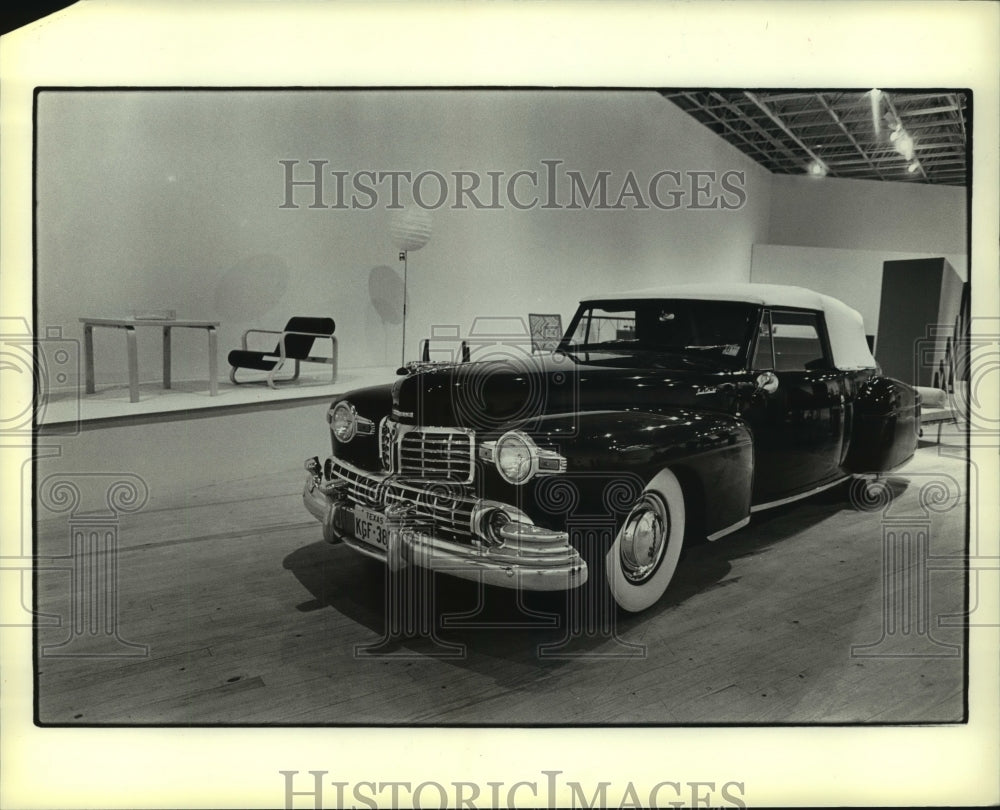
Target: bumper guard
(523, 556)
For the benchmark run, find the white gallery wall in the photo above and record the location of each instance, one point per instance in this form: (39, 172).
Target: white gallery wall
(869, 215)
(173, 199)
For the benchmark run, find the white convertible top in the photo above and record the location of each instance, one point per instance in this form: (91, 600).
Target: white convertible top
(845, 326)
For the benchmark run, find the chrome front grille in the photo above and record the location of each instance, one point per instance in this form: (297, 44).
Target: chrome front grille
(426, 453)
(435, 454)
(443, 507)
(388, 437)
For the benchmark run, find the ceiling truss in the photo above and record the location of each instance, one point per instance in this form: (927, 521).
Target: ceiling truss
(893, 135)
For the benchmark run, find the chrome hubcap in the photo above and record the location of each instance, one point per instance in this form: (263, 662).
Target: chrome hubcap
(643, 540)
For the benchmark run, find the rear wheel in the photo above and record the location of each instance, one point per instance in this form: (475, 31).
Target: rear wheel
(641, 562)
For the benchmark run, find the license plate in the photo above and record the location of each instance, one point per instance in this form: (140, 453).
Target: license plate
(370, 527)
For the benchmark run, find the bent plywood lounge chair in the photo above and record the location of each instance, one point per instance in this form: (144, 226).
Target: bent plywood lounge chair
(296, 343)
(947, 399)
(937, 407)
(941, 404)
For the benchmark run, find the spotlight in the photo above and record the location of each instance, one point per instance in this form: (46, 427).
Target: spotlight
(913, 167)
(904, 144)
(817, 168)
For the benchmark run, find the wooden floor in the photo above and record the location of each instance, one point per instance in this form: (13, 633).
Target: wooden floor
(231, 610)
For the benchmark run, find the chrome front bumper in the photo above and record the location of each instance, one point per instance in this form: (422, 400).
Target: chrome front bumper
(528, 557)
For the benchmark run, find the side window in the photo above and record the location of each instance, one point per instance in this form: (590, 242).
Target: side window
(602, 326)
(797, 341)
(763, 357)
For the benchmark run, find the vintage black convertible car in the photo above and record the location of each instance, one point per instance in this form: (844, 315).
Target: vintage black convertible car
(663, 414)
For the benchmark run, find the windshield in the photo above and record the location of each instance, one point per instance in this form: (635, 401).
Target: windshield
(716, 330)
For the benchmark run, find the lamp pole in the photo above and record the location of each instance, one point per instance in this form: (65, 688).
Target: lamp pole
(410, 229)
(402, 258)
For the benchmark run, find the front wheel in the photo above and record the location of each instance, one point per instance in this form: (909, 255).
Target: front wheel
(641, 562)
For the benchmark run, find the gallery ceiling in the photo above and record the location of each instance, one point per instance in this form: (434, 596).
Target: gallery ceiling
(897, 135)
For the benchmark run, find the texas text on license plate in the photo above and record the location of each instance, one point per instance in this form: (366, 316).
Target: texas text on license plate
(370, 527)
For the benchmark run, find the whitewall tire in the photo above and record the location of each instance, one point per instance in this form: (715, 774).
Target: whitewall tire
(642, 560)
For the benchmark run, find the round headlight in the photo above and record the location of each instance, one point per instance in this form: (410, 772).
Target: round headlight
(344, 421)
(516, 457)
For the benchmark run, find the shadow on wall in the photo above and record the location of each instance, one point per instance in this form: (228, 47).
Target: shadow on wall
(385, 294)
(251, 288)
(385, 288)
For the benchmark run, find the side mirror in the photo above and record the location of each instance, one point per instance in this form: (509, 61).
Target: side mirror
(767, 381)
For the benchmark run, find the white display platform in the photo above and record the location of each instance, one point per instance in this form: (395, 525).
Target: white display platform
(72, 410)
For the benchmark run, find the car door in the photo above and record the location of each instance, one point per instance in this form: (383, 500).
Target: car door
(799, 425)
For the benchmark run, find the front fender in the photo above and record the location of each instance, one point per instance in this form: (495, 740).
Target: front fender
(638, 439)
(373, 403)
(710, 453)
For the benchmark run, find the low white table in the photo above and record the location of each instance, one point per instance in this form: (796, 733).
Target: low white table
(129, 325)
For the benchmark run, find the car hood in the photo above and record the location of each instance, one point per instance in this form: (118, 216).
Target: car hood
(517, 388)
